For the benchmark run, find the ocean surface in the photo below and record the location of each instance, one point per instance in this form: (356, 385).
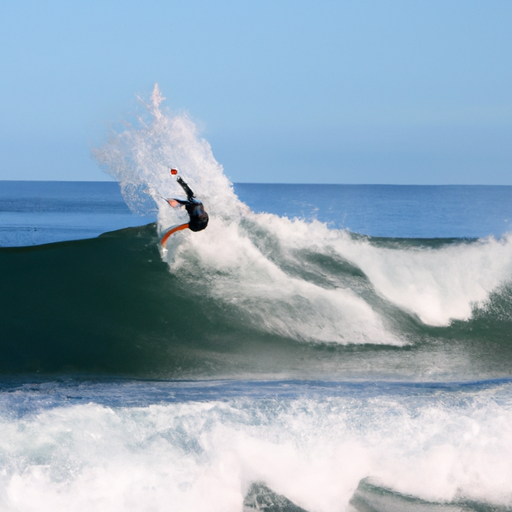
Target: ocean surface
(317, 348)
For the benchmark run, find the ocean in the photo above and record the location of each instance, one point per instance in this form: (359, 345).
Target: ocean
(317, 348)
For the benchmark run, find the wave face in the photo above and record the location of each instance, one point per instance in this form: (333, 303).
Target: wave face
(258, 296)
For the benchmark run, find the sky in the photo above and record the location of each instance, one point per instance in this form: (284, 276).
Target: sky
(302, 91)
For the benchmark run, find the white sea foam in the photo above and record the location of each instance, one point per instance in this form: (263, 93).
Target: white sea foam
(441, 447)
(438, 285)
(224, 263)
(227, 263)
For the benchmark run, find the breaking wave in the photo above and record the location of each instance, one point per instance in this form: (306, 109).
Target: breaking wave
(255, 293)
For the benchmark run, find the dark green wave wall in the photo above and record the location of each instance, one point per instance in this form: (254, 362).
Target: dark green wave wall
(110, 305)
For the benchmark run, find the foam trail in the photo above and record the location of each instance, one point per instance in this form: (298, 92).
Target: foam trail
(234, 270)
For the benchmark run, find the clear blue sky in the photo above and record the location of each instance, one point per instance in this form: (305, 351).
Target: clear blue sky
(317, 91)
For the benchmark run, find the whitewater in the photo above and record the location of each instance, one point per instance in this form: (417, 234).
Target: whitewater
(293, 356)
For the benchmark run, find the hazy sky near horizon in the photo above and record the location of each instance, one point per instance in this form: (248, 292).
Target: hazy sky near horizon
(316, 91)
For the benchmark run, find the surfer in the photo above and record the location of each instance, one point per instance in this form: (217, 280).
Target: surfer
(198, 218)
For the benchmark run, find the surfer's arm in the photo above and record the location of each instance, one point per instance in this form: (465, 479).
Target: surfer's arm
(186, 188)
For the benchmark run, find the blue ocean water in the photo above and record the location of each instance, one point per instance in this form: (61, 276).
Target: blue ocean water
(404, 211)
(43, 212)
(40, 212)
(316, 348)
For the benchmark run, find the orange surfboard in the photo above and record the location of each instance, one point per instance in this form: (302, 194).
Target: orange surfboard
(171, 231)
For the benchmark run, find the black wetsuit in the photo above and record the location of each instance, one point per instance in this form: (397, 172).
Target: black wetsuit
(195, 209)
